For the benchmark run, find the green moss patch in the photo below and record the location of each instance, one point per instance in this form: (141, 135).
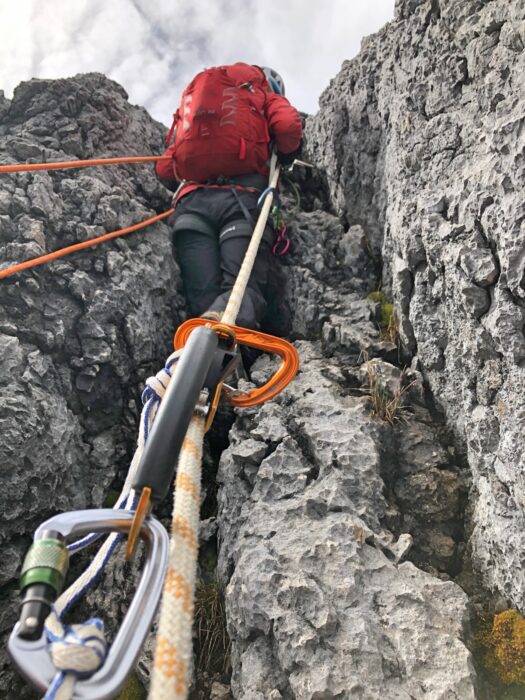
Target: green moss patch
(386, 308)
(501, 647)
(387, 318)
(133, 690)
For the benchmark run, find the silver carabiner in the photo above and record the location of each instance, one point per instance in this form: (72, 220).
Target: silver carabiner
(32, 657)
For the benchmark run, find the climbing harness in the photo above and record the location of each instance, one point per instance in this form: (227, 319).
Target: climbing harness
(180, 403)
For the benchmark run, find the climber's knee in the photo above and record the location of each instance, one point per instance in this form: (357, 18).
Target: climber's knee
(240, 228)
(193, 222)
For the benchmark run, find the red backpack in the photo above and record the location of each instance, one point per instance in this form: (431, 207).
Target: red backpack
(221, 129)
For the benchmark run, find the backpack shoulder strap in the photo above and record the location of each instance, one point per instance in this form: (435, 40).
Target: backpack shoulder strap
(172, 127)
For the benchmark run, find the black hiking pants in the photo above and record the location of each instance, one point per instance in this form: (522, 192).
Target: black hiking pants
(210, 235)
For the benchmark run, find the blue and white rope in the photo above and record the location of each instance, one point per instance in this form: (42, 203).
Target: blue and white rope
(79, 650)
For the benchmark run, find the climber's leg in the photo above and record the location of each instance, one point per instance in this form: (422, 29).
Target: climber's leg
(197, 253)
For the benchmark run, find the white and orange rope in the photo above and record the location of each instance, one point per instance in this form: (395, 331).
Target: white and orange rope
(173, 654)
(174, 649)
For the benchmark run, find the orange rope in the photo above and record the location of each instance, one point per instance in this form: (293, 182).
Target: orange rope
(80, 246)
(23, 167)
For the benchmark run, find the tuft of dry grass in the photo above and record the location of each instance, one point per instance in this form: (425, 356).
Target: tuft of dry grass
(213, 643)
(386, 405)
(390, 332)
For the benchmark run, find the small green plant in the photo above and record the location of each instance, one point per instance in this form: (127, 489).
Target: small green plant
(388, 323)
(133, 690)
(387, 405)
(213, 644)
(391, 332)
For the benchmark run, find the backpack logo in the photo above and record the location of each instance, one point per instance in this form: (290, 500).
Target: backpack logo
(186, 112)
(229, 104)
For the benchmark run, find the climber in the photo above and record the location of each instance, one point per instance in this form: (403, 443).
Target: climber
(228, 120)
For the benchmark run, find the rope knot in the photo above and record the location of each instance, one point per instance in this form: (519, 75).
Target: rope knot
(156, 386)
(81, 649)
(152, 396)
(154, 389)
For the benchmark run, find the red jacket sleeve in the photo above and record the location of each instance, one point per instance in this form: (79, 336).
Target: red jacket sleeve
(164, 168)
(284, 123)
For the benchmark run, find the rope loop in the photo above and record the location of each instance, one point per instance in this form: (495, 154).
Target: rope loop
(153, 394)
(154, 389)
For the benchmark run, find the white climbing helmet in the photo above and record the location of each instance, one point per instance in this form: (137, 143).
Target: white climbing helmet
(275, 80)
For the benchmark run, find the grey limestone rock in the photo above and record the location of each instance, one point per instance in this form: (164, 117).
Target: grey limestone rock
(79, 336)
(321, 503)
(421, 138)
(339, 532)
(4, 104)
(318, 605)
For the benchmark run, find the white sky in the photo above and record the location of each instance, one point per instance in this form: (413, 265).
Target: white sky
(154, 47)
